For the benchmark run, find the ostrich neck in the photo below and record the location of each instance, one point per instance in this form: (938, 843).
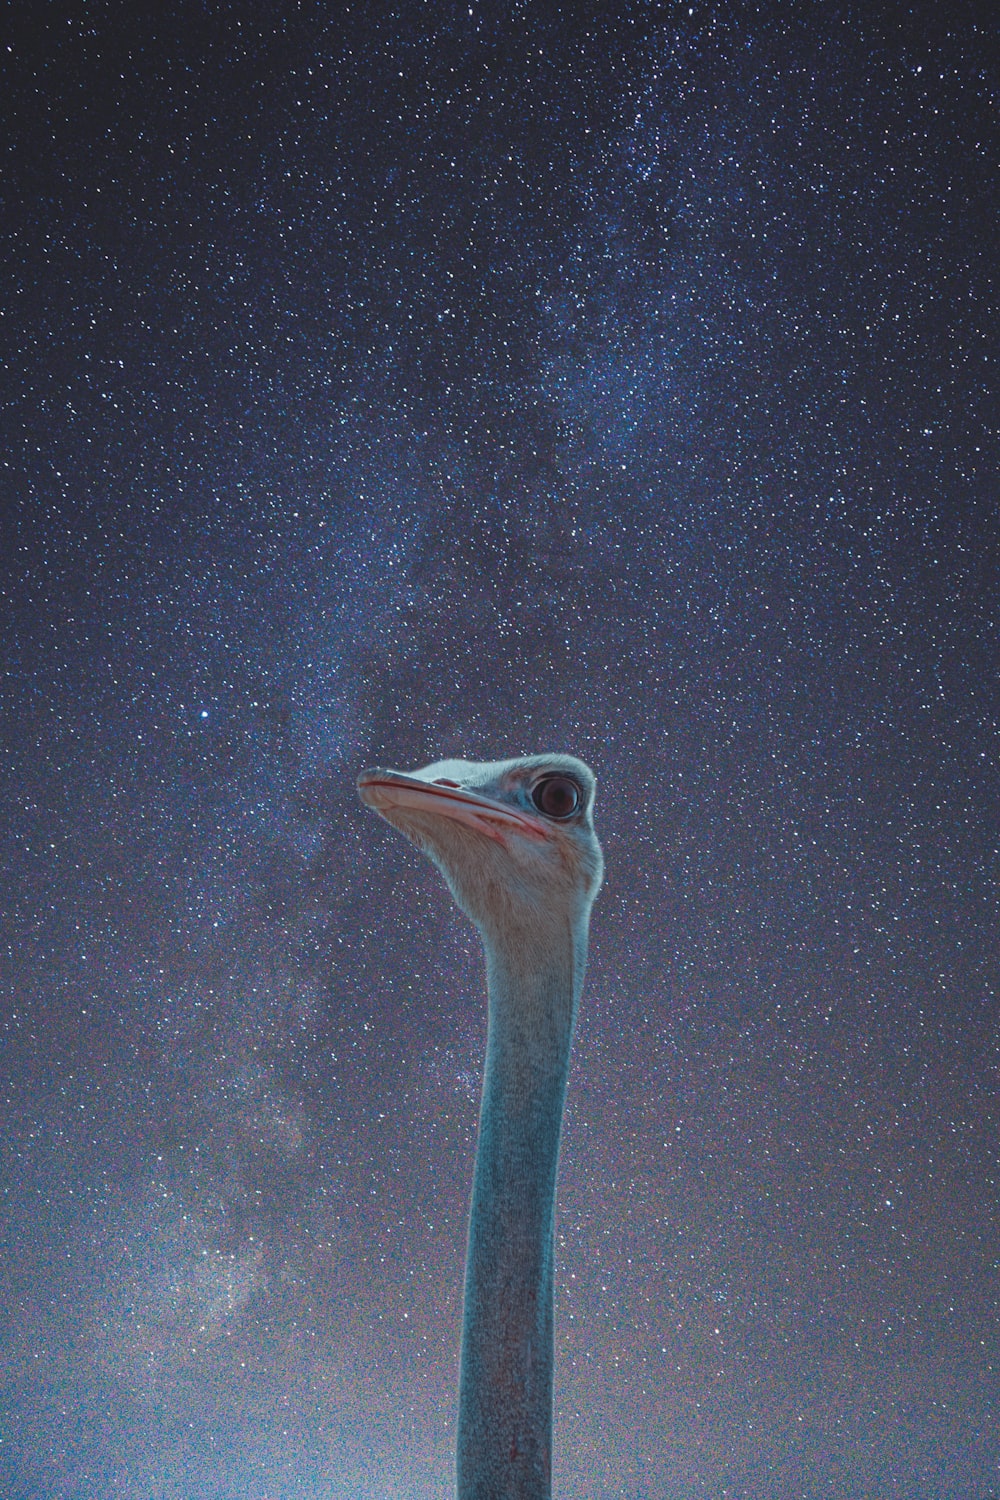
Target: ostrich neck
(505, 1387)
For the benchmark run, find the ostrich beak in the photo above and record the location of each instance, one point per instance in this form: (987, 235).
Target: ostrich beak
(386, 791)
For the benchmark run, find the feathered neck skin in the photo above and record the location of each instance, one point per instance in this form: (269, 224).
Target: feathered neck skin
(515, 842)
(505, 1386)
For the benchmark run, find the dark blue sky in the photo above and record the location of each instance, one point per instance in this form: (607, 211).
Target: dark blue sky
(388, 383)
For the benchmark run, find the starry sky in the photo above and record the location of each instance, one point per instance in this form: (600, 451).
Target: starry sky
(389, 382)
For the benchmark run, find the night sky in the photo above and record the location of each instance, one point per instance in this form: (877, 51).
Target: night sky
(382, 383)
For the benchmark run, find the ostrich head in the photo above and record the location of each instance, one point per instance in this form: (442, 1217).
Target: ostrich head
(514, 839)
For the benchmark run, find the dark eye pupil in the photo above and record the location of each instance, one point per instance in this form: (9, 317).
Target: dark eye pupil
(557, 796)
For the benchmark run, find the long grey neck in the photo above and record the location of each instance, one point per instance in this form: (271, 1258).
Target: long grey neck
(505, 1387)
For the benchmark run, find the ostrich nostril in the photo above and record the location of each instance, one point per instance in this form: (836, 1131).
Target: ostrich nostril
(443, 781)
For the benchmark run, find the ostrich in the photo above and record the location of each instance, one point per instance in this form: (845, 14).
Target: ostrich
(515, 842)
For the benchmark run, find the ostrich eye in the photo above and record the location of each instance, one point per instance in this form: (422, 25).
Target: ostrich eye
(556, 796)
